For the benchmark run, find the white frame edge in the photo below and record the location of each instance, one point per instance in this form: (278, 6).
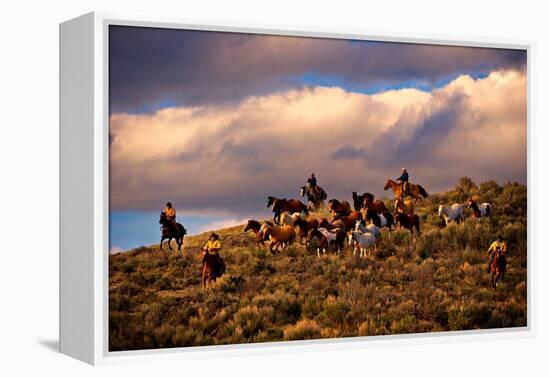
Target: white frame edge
(94, 345)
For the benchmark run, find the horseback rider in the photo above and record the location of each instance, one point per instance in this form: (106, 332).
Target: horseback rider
(404, 179)
(213, 245)
(312, 180)
(312, 184)
(497, 246)
(170, 213)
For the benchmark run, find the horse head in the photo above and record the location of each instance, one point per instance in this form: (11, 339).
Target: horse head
(303, 190)
(270, 201)
(388, 184)
(162, 218)
(248, 226)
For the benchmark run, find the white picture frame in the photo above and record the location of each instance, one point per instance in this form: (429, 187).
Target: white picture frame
(84, 141)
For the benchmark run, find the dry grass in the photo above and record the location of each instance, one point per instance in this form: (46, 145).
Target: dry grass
(434, 282)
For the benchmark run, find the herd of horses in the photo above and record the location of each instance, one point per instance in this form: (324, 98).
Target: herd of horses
(359, 224)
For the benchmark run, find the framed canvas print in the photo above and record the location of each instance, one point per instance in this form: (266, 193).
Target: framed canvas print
(243, 189)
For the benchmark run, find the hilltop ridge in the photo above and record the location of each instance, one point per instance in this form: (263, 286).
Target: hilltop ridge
(411, 284)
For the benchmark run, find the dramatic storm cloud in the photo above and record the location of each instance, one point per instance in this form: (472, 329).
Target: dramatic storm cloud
(150, 68)
(225, 158)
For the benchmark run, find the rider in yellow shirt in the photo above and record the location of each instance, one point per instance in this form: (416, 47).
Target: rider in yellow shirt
(213, 245)
(497, 245)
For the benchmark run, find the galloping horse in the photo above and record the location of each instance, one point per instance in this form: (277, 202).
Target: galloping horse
(316, 198)
(414, 190)
(255, 226)
(168, 231)
(498, 268)
(279, 236)
(279, 206)
(304, 226)
(213, 267)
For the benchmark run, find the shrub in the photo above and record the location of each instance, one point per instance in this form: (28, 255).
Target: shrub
(334, 313)
(303, 329)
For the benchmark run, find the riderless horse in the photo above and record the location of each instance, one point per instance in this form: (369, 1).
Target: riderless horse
(480, 210)
(451, 213)
(279, 206)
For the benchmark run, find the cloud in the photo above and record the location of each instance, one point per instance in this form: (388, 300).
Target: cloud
(228, 158)
(150, 67)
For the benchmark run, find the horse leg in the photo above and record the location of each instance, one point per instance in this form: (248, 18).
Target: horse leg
(161, 240)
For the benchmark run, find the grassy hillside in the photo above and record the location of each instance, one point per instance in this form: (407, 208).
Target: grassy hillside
(434, 282)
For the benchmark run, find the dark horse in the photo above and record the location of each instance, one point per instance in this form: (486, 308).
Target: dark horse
(339, 208)
(315, 197)
(279, 206)
(358, 200)
(168, 231)
(255, 226)
(213, 267)
(498, 268)
(408, 221)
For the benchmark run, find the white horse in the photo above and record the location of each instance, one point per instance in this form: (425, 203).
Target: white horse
(371, 228)
(365, 241)
(290, 219)
(480, 210)
(454, 212)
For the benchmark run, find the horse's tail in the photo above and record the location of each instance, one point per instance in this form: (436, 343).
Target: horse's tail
(423, 192)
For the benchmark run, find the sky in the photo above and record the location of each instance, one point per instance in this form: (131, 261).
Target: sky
(215, 122)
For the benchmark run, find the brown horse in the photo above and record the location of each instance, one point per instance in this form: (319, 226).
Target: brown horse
(304, 226)
(498, 268)
(349, 220)
(376, 205)
(335, 224)
(404, 206)
(408, 222)
(414, 190)
(279, 236)
(279, 206)
(339, 208)
(255, 226)
(213, 267)
(358, 200)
